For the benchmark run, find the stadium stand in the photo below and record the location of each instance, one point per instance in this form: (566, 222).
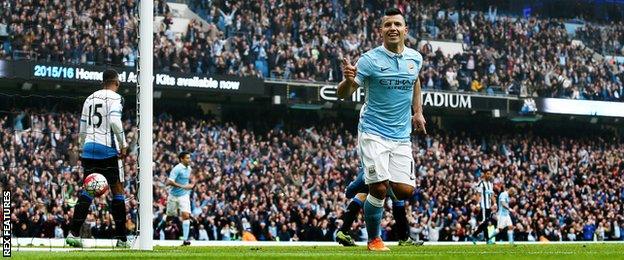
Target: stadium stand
(306, 41)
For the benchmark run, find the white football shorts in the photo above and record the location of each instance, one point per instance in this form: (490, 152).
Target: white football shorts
(183, 203)
(384, 159)
(504, 221)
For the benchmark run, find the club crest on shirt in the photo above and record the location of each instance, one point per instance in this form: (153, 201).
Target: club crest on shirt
(371, 170)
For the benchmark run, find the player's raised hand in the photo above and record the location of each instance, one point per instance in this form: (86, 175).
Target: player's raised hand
(418, 121)
(348, 70)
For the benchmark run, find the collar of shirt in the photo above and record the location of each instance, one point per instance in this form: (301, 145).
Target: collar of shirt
(393, 54)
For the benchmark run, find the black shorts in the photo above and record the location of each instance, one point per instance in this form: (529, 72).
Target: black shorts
(108, 167)
(488, 215)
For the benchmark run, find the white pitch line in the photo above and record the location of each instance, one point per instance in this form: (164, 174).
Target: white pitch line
(58, 249)
(109, 243)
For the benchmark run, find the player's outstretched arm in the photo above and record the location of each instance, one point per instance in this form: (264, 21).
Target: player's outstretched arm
(347, 86)
(418, 120)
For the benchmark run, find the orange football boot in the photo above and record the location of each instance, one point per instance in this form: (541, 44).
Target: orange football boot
(377, 245)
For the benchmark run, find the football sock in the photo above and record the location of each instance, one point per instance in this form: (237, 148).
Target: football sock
(186, 225)
(493, 234)
(486, 232)
(481, 228)
(119, 214)
(163, 222)
(510, 237)
(352, 211)
(373, 211)
(80, 212)
(400, 218)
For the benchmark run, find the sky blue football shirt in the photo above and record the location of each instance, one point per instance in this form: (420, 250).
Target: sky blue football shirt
(388, 81)
(181, 175)
(503, 197)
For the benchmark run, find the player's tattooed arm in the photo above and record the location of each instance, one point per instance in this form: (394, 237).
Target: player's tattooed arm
(418, 120)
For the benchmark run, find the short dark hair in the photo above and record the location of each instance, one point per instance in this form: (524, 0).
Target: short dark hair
(109, 75)
(393, 11)
(183, 154)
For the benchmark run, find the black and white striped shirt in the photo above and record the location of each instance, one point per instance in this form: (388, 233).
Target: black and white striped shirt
(485, 189)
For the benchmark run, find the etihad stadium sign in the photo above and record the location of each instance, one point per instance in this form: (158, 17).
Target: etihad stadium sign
(429, 98)
(450, 100)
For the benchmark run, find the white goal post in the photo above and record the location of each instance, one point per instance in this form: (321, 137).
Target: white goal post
(144, 118)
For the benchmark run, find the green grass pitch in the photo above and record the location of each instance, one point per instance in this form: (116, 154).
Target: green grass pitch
(500, 251)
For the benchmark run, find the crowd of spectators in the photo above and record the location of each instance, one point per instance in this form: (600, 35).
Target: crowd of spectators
(306, 40)
(529, 57)
(288, 185)
(606, 39)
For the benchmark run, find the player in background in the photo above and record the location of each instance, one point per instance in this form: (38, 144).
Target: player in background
(504, 215)
(342, 236)
(179, 194)
(389, 75)
(485, 189)
(357, 191)
(103, 145)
